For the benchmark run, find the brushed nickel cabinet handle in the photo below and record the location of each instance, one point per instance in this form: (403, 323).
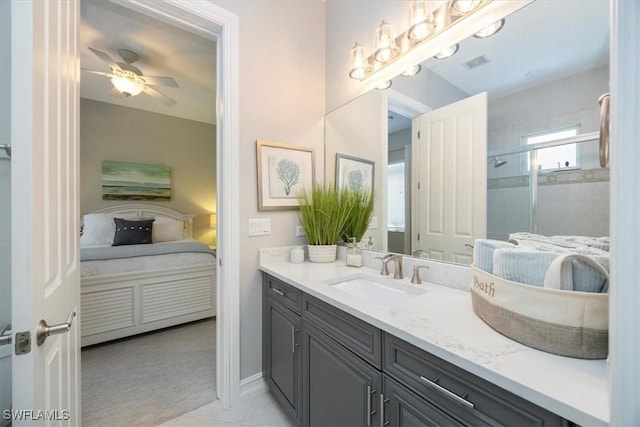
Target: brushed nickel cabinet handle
(446, 392)
(278, 291)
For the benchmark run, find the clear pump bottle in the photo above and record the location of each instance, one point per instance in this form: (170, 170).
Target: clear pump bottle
(354, 254)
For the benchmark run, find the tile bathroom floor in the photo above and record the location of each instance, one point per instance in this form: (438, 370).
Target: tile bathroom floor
(261, 410)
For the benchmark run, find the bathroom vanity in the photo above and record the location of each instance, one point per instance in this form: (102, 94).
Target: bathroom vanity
(333, 356)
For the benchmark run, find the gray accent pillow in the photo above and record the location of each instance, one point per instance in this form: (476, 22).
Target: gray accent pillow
(131, 232)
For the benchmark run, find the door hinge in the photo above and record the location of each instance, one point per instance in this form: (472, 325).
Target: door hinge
(418, 185)
(418, 134)
(418, 236)
(23, 343)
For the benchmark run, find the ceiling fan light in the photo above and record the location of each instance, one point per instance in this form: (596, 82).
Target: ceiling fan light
(490, 29)
(126, 86)
(447, 53)
(385, 43)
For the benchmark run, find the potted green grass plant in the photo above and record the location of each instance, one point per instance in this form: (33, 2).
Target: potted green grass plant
(360, 215)
(323, 213)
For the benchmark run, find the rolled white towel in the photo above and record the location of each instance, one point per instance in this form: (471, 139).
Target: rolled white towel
(528, 265)
(483, 252)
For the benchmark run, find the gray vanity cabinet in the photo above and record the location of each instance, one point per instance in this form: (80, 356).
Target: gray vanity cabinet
(281, 352)
(339, 388)
(329, 368)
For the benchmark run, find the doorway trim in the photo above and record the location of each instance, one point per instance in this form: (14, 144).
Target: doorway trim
(215, 23)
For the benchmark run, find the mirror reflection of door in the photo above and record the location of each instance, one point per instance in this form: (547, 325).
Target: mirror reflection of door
(399, 183)
(450, 194)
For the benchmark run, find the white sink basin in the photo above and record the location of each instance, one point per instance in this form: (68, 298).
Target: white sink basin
(378, 290)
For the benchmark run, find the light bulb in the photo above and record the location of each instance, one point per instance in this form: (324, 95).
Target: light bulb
(385, 43)
(359, 63)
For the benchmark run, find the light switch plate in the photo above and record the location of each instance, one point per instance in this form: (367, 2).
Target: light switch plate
(299, 230)
(260, 227)
(373, 223)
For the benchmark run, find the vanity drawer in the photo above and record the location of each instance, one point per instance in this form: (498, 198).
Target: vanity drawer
(358, 336)
(285, 294)
(473, 401)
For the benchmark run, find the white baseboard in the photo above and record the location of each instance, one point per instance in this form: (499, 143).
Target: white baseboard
(252, 386)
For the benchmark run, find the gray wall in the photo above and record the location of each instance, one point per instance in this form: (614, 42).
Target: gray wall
(111, 132)
(281, 99)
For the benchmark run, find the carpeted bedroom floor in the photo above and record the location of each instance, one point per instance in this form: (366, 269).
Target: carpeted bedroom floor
(151, 378)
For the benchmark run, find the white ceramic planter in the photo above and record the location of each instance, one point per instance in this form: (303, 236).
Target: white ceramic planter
(322, 253)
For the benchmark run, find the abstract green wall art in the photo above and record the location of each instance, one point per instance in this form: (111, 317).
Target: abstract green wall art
(135, 181)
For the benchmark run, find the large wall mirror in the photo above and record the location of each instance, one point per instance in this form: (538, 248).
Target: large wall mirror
(538, 79)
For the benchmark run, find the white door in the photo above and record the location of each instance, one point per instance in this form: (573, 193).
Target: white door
(450, 194)
(45, 208)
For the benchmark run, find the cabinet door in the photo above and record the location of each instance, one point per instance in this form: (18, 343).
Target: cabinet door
(339, 388)
(282, 356)
(403, 408)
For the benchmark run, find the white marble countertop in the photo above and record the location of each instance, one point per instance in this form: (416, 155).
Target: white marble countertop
(442, 322)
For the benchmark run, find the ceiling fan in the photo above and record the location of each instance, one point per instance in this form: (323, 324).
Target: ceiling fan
(128, 80)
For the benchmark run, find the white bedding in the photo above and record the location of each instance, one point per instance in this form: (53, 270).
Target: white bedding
(143, 263)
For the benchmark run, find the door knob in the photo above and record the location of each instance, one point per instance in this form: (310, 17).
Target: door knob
(45, 330)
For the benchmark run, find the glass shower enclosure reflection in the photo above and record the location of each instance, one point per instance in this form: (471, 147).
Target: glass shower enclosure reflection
(527, 192)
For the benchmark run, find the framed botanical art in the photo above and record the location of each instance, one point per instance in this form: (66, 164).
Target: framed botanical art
(354, 173)
(283, 171)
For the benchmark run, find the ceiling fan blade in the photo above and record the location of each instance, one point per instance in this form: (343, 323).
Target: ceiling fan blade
(100, 73)
(160, 81)
(159, 96)
(106, 58)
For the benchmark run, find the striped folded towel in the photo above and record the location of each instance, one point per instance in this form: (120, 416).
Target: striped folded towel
(528, 265)
(483, 252)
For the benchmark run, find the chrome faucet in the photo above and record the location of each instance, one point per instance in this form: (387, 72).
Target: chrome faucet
(415, 279)
(397, 272)
(385, 259)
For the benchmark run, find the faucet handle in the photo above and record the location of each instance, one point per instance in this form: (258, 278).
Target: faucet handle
(385, 259)
(415, 279)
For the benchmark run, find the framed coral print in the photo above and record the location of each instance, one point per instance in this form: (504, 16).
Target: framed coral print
(283, 170)
(354, 173)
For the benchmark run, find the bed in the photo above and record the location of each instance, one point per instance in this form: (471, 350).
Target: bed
(134, 288)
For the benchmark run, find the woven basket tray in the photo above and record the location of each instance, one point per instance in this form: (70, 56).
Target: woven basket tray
(568, 323)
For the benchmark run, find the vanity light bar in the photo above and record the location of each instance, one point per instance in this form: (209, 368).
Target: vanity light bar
(443, 18)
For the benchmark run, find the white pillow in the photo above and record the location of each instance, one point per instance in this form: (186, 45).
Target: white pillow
(167, 229)
(98, 229)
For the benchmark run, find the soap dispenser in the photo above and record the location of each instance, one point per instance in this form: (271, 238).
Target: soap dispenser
(354, 255)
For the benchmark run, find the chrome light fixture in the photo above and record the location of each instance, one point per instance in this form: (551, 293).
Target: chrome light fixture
(462, 7)
(412, 71)
(359, 63)
(385, 43)
(447, 53)
(421, 22)
(384, 85)
(427, 18)
(490, 30)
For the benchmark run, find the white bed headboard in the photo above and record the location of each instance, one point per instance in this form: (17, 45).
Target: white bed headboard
(141, 210)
